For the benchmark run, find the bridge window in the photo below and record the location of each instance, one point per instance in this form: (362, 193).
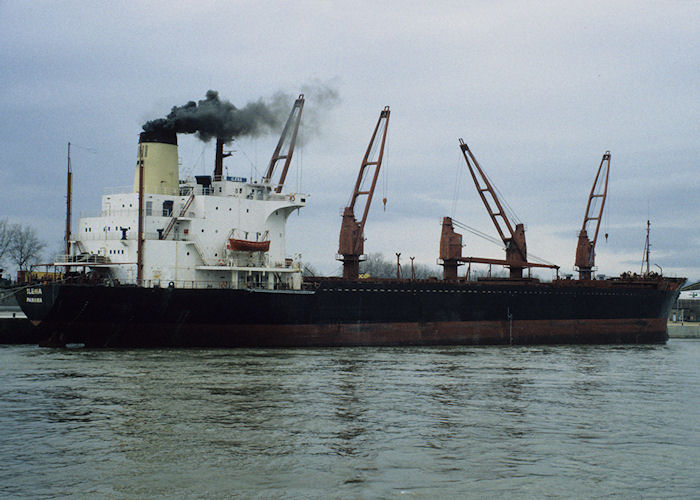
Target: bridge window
(167, 208)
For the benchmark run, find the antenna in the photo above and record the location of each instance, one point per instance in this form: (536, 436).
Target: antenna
(645, 255)
(69, 195)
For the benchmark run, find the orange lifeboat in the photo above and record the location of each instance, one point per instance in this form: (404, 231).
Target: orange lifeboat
(248, 246)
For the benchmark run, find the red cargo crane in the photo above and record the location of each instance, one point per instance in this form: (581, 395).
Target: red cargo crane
(513, 237)
(585, 249)
(289, 132)
(351, 244)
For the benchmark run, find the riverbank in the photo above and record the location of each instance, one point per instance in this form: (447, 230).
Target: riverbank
(684, 330)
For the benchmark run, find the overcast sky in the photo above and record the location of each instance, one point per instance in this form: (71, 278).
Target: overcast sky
(539, 90)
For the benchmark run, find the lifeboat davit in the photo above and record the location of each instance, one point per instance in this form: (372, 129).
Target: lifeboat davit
(248, 246)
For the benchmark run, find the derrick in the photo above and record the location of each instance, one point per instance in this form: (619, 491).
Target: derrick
(351, 241)
(285, 146)
(585, 248)
(512, 236)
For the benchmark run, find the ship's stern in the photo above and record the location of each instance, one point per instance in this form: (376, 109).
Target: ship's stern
(37, 301)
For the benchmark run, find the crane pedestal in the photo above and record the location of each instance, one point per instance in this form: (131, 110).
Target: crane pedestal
(351, 267)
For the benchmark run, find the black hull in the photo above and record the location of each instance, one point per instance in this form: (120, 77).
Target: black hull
(341, 313)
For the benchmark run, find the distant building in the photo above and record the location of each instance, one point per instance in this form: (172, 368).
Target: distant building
(687, 307)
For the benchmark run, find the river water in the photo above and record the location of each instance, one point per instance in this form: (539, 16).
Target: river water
(470, 422)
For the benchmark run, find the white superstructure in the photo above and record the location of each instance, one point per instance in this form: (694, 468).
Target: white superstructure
(198, 232)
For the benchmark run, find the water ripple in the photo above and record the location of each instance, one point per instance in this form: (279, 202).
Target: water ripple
(554, 421)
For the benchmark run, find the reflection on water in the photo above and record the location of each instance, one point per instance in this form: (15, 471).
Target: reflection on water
(360, 422)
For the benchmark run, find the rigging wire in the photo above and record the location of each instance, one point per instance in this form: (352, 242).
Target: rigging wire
(510, 212)
(540, 260)
(508, 209)
(198, 162)
(455, 194)
(495, 241)
(252, 165)
(478, 233)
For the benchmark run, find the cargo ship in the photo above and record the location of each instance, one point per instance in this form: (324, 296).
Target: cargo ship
(203, 262)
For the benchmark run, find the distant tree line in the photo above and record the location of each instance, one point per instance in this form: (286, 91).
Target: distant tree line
(378, 266)
(19, 245)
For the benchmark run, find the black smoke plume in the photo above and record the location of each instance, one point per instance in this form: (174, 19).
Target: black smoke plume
(211, 117)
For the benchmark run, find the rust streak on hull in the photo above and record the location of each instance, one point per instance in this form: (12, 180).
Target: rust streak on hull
(370, 334)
